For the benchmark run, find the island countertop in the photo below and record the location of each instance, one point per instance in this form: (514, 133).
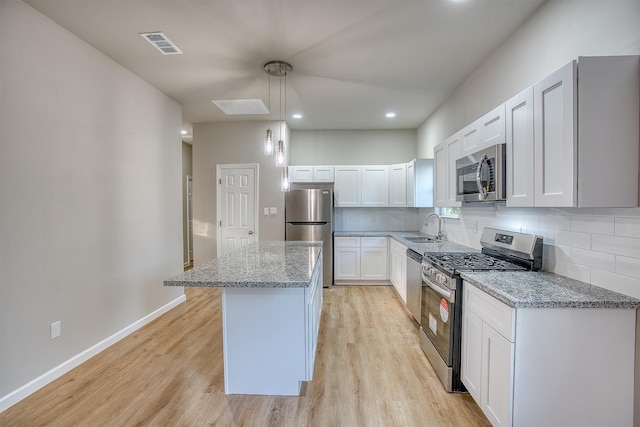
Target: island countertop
(268, 264)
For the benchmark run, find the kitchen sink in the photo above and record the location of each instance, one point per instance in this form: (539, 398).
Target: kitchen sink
(420, 239)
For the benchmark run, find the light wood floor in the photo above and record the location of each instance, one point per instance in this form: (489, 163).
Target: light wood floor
(369, 371)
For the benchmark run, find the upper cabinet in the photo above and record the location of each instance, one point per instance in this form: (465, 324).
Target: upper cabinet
(347, 186)
(445, 155)
(519, 125)
(398, 185)
(572, 139)
(375, 186)
(488, 130)
(585, 136)
(311, 173)
(411, 185)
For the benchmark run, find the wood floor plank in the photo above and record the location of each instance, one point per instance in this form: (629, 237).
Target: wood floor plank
(369, 371)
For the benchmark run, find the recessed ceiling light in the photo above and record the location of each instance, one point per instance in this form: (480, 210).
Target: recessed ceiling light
(183, 132)
(297, 116)
(390, 115)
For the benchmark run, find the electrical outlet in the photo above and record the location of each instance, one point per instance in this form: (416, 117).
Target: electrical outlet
(56, 329)
(265, 211)
(474, 226)
(273, 211)
(373, 218)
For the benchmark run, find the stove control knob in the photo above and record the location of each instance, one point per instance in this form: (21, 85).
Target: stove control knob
(440, 278)
(433, 271)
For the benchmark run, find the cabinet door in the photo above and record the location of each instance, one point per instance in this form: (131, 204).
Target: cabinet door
(520, 152)
(323, 174)
(492, 128)
(470, 138)
(453, 154)
(411, 183)
(497, 365)
(402, 277)
(441, 174)
(346, 263)
(555, 138)
(347, 186)
(375, 186)
(373, 263)
(301, 173)
(471, 363)
(398, 185)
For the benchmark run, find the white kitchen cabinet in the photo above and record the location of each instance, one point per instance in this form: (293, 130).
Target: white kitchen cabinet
(346, 190)
(484, 132)
(586, 134)
(470, 138)
(346, 258)
(374, 186)
(398, 185)
(441, 172)
(311, 173)
(520, 151)
(374, 258)
(492, 128)
(445, 156)
(538, 366)
(359, 259)
(301, 173)
(411, 185)
(398, 268)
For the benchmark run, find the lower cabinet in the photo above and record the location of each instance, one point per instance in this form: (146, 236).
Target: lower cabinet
(540, 366)
(398, 268)
(360, 259)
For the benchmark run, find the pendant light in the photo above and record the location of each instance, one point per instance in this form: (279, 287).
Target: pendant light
(268, 139)
(280, 69)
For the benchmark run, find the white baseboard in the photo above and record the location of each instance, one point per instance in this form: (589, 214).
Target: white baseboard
(17, 395)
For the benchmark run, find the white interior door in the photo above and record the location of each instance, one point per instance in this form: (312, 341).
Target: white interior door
(237, 204)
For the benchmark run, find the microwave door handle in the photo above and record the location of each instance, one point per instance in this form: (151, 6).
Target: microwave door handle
(483, 160)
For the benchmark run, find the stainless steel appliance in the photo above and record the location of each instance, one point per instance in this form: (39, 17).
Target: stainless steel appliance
(441, 324)
(414, 283)
(481, 176)
(308, 213)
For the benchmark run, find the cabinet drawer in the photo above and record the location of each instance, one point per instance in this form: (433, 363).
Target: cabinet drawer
(373, 242)
(495, 313)
(346, 242)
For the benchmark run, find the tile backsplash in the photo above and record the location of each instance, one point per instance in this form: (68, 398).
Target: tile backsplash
(600, 246)
(376, 219)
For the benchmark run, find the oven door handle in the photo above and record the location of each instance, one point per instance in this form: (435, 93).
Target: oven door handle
(449, 295)
(483, 193)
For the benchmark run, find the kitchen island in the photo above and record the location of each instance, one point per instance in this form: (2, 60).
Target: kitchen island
(271, 307)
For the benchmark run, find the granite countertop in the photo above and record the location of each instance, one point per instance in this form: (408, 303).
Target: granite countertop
(422, 248)
(531, 289)
(257, 265)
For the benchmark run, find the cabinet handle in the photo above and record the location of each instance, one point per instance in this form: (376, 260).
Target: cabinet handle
(483, 160)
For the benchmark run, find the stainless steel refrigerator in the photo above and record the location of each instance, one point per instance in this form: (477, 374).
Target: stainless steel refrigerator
(308, 216)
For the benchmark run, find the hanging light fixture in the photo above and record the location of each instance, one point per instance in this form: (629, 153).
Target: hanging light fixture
(280, 69)
(268, 139)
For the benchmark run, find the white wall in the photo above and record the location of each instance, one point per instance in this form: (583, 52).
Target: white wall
(352, 147)
(187, 170)
(90, 217)
(232, 143)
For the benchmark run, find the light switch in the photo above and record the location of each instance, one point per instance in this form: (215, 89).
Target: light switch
(265, 211)
(273, 211)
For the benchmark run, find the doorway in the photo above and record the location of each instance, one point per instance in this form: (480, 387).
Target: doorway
(237, 206)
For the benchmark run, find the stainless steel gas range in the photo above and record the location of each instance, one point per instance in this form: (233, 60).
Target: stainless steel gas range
(441, 318)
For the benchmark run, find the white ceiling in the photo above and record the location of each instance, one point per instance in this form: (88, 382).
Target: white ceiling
(353, 60)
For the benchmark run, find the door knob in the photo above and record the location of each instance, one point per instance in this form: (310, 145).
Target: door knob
(250, 232)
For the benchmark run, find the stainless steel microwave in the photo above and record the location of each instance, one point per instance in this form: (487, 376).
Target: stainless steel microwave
(481, 176)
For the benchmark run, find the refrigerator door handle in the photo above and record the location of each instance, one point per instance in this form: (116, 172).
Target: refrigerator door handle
(308, 223)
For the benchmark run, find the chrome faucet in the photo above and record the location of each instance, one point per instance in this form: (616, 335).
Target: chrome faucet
(440, 236)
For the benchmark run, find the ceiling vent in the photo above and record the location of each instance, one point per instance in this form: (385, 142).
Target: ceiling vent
(162, 43)
(241, 106)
